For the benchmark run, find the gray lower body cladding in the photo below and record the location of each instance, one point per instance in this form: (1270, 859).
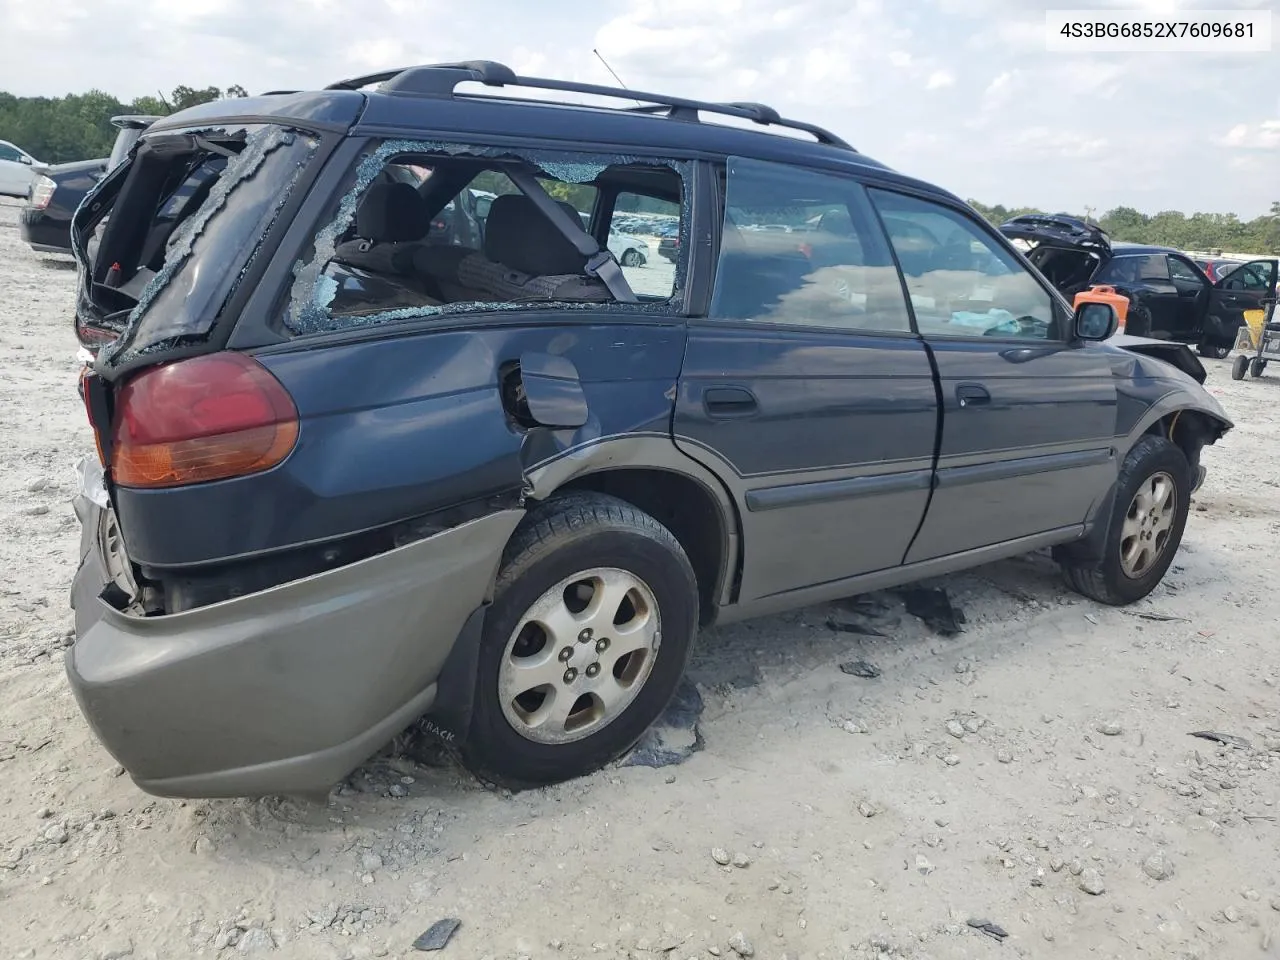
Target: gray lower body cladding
(285, 690)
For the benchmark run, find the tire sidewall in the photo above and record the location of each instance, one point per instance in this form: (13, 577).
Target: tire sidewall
(493, 745)
(1151, 456)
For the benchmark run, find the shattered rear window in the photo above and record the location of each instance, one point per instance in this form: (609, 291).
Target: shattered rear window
(411, 236)
(205, 231)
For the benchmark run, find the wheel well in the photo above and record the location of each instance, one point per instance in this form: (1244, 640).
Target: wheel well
(1190, 431)
(681, 504)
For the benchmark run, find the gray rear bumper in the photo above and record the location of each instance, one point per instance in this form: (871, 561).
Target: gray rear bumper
(282, 691)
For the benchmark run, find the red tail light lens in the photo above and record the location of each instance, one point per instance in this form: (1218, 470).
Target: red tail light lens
(207, 418)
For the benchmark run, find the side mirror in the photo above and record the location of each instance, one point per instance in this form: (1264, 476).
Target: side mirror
(1096, 321)
(27, 160)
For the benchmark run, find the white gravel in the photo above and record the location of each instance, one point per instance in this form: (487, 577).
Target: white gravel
(617, 865)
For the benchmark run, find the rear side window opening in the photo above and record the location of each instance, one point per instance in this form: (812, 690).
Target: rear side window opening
(426, 229)
(191, 213)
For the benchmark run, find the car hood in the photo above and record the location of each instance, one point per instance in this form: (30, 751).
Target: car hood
(1058, 230)
(1177, 355)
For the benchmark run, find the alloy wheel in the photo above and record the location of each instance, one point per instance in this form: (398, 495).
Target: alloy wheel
(579, 656)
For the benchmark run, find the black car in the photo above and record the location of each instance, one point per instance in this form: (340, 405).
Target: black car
(349, 478)
(1170, 297)
(45, 221)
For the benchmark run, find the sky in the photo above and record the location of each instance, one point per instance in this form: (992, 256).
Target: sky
(960, 92)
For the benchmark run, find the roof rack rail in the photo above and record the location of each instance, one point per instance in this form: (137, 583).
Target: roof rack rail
(441, 80)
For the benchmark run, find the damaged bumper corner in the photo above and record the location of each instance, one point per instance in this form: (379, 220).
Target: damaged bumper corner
(282, 691)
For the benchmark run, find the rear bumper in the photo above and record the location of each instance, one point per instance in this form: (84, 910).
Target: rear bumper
(43, 233)
(282, 691)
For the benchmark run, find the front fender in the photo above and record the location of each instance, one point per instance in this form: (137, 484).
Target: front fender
(1181, 399)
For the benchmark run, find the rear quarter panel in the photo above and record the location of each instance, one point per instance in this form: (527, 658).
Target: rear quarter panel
(401, 426)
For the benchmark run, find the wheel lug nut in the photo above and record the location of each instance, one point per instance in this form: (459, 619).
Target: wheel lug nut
(593, 670)
(570, 675)
(566, 654)
(602, 645)
(585, 636)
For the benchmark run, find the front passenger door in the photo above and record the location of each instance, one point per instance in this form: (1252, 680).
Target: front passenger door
(1028, 415)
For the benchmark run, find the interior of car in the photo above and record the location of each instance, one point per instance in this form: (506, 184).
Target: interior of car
(459, 230)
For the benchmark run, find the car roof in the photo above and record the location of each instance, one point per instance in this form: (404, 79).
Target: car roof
(1122, 249)
(420, 103)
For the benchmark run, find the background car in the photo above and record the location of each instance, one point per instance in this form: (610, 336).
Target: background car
(17, 170)
(1171, 298)
(45, 221)
(1216, 269)
(627, 250)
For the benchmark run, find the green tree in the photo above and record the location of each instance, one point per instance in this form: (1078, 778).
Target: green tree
(78, 125)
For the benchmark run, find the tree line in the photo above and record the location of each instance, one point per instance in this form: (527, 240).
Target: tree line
(1172, 228)
(78, 126)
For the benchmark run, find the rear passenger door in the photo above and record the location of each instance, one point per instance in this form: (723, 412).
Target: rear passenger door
(1028, 415)
(805, 388)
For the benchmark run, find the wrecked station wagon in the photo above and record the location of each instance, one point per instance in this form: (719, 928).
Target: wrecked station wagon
(353, 472)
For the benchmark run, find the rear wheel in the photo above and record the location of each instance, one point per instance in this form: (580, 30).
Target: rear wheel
(591, 626)
(1256, 367)
(1145, 527)
(1238, 366)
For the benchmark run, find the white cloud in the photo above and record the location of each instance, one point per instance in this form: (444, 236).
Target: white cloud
(1260, 136)
(939, 79)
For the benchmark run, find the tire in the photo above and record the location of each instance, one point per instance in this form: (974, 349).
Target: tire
(1153, 459)
(632, 258)
(1238, 366)
(1213, 350)
(516, 737)
(1257, 366)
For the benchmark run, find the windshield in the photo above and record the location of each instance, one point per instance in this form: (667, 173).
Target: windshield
(191, 214)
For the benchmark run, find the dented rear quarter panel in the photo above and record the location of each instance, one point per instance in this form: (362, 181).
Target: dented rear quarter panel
(398, 427)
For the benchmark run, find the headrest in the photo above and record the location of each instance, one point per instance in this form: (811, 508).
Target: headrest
(392, 213)
(518, 235)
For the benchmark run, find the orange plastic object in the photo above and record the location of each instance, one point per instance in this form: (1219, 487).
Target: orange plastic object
(1104, 294)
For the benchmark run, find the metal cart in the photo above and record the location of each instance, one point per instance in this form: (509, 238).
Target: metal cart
(1266, 349)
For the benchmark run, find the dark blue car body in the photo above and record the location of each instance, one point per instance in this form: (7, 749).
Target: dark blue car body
(268, 632)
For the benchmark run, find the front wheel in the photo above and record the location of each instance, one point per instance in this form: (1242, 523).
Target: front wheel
(592, 622)
(1153, 496)
(1256, 367)
(1238, 367)
(632, 258)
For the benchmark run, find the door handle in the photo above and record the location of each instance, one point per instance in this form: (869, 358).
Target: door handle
(972, 395)
(722, 403)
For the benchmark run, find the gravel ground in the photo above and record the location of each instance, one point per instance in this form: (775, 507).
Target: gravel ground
(1034, 771)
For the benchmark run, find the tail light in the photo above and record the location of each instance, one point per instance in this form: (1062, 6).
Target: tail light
(208, 418)
(42, 192)
(82, 387)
